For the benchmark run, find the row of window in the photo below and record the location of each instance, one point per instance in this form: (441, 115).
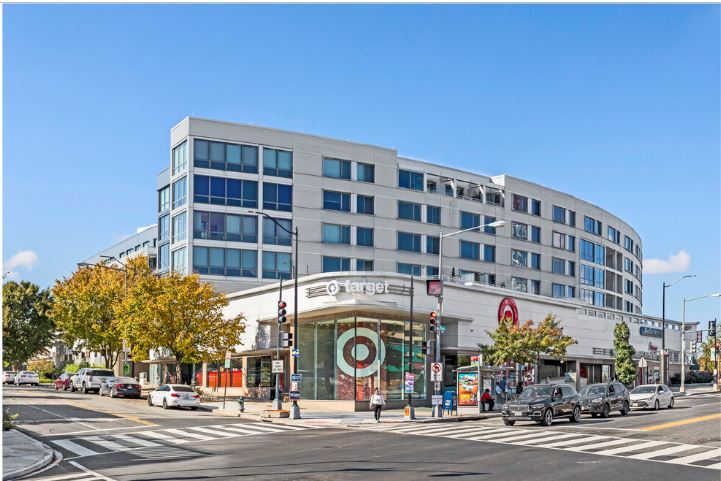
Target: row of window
(593, 252)
(521, 203)
(241, 158)
(341, 169)
(341, 201)
(563, 241)
(137, 248)
(241, 193)
(520, 231)
(564, 216)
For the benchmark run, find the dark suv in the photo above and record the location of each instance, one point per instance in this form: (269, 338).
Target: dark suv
(542, 403)
(601, 399)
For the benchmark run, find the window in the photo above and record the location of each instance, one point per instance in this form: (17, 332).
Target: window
(628, 286)
(536, 207)
(570, 291)
(363, 265)
(586, 296)
(587, 250)
(571, 268)
(431, 271)
(519, 258)
(365, 204)
(224, 156)
(559, 240)
(164, 199)
(225, 262)
(519, 231)
(469, 220)
(227, 227)
(365, 172)
(277, 162)
(409, 211)
(535, 287)
(164, 256)
(520, 203)
(494, 198)
(488, 219)
(614, 235)
(628, 243)
(571, 243)
(558, 266)
(221, 191)
(587, 275)
(535, 261)
(409, 242)
(364, 236)
(180, 192)
(410, 180)
(558, 290)
(489, 253)
(559, 215)
(180, 158)
(410, 269)
(278, 197)
(336, 201)
(432, 244)
(535, 234)
(600, 257)
(336, 168)
(599, 276)
(275, 234)
(519, 284)
(164, 228)
(180, 227)
(591, 225)
(336, 264)
(448, 190)
(470, 250)
(433, 215)
(599, 299)
(571, 218)
(180, 263)
(628, 265)
(336, 234)
(276, 265)
(431, 187)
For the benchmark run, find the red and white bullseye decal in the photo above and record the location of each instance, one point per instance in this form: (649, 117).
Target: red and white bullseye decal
(507, 311)
(361, 357)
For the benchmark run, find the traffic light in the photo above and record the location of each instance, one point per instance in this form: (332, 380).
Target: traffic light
(712, 328)
(281, 312)
(433, 322)
(287, 339)
(426, 348)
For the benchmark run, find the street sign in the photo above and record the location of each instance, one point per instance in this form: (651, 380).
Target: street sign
(642, 363)
(294, 395)
(437, 386)
(227, 363)
(442, 328)
(410, 381)
(294, 386)
(436, 369)
(436, 399)
(277, 367)
(227, 355)
(434, 287)
(297, 377)
(296, 352)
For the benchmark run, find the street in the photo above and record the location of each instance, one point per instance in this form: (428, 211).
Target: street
(118, 439)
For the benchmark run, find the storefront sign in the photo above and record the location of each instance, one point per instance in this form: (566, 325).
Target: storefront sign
(369, 288)
(651, 332)
(277, 367)
(508, 311)
(360, 346)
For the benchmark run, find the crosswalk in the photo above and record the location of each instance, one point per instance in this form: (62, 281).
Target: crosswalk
(148, 443)
(575, 441)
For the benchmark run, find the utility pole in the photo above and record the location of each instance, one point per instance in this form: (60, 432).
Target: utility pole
(437, 410)
(410, 414)
(277, 402)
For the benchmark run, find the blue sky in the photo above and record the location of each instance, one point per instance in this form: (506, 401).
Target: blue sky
(616, 104)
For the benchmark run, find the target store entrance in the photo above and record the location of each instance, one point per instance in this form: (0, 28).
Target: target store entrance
(346, 358)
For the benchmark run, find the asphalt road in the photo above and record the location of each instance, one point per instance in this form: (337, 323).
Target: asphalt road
(118, 439)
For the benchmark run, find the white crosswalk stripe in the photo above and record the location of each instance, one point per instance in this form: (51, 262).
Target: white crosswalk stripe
(164, 438)
(576, 441)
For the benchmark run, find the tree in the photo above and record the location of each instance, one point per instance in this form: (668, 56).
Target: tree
(625, 367)
(28, 329)
(44, 367)
(88, 306)
(524, 343)
(705, 360)
(182, 314)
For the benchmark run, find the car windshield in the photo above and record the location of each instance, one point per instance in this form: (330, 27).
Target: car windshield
(182, 389)
(27, 372)
(126, 380)
(593, 391)
(644, 390)
(536, 391)
(102, 373)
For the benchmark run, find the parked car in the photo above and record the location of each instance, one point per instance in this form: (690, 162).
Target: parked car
(652, 395)
(601, 399)
(63, 381)
(9, 377)
(542, 403)
(176, 395)
(27, 377)
(89, 379)
(120, 387)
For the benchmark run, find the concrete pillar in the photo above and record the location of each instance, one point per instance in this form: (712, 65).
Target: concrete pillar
(205, 374)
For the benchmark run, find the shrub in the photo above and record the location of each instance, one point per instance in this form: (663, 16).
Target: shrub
(44, 367)
(8, 419)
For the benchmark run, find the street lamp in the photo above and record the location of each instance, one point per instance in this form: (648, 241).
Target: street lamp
(295, 409)
(683, 340)
(664, 354)
(437, 409)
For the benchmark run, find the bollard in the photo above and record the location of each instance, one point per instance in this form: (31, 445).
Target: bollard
(241, 404)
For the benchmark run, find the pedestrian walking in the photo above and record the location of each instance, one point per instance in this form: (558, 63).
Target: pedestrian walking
(377, 403)
(499, 394)
(519, 388)
(509, 392)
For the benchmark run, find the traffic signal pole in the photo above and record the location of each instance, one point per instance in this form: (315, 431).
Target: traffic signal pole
(409, 414)
(437, 410)
(277, 402)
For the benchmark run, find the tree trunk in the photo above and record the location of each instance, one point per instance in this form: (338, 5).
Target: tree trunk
(178, 372)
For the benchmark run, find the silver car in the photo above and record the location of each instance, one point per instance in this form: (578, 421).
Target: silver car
(652, 396)
(27, 377)
(175, 395)
(9, 377)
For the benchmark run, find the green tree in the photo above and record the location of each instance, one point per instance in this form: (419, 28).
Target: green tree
(182, 314)
(44, 367)
(705, 359)
(28, 329)
(625, 367)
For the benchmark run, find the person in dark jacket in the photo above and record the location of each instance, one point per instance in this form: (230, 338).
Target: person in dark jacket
(519, 388)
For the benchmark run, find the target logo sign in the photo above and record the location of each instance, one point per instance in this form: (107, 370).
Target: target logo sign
(508, 311)
(360, 352)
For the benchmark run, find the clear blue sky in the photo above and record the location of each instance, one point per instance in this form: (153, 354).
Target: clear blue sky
(616, 104)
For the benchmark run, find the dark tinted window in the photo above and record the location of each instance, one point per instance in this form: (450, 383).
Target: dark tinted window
(611, 389)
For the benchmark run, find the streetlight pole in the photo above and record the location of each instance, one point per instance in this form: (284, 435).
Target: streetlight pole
(664, 354)
(437, 410)
(683, 337)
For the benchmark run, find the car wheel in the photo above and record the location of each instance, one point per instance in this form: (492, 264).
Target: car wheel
(670, 406)
(547, 417)
(576, 415)
(112, 394)
(605, 410)
(625, 409)
(150, 400)
(165, 404)
(594, 415)
(655, 405)
(508, 422)
(72, 388)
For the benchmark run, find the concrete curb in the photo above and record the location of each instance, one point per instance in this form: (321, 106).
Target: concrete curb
(46, 458)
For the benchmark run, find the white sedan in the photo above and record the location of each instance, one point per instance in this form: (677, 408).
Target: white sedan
(174, 395)
(27, 377)
(652, 396)
(9, 377)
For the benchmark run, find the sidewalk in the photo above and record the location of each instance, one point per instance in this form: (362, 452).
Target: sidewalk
(694, 389)
(253, 410)
(23, 455)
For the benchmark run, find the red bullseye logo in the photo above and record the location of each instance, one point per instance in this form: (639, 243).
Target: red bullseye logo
(507, 311)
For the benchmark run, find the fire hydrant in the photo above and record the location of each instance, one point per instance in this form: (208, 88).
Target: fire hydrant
(241, 404)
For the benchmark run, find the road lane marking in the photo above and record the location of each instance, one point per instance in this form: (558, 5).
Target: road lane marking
(86, 431)
(474, 432)
(663, 452)
(62, 417)
(603, 444)
(107, 444)
(75, 448)
(215, 432)
(697, 457)
(631, 447)
(97, 475)
(136, 440)
(163, 437)
(561, 436)
(180, 432)
(683, 422)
